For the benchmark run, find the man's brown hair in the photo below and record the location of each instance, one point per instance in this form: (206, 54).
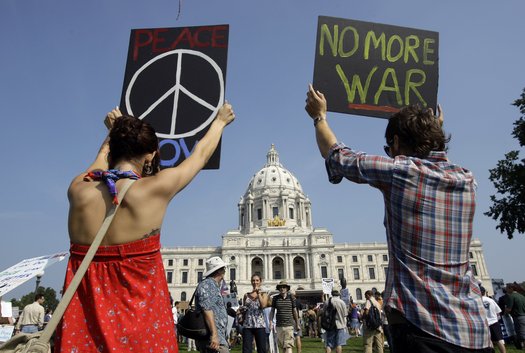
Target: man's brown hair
(418, 130)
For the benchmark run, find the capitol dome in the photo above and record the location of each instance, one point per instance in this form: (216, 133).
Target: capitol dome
(273, 175)
(274, 199)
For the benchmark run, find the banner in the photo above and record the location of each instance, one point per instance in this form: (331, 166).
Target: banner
(345, 295)
(175, 80)
(328, 285)
(6, 332)
(374, 69)
(25, 270)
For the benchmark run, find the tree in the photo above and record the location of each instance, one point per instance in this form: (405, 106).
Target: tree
(50, 296)
(509, 180)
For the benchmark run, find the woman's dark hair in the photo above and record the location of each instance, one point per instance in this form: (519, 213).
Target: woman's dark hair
(418, 130)
(131, 138)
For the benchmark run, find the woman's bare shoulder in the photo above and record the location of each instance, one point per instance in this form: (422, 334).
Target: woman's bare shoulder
(82, 189)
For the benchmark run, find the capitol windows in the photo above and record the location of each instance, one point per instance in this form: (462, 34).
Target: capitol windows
(370, 258)
(339, 259)
(170, 262)
(371, 273)
(257, 267)
(277, 268)
(169, 276)
(299, 268)
(184, 277)
(232, 274)
(201, 262)
(290, 213)
(259, 213)
(185, 262)
(356, 273)
(324, 272)
(474, 269)
(199, 276)
(183, 296)
(275, 212)
(358, 294)
(340, 273)
(385, 258)
(354, 258)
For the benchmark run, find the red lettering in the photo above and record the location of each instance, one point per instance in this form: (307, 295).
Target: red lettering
(218, 37)
(184, 35)
(157, 40)
(196, 37)
(139, 33)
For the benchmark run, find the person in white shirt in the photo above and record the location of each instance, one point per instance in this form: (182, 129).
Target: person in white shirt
(493, 310)
(32, 318)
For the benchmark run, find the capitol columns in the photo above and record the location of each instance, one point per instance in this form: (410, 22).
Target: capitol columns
(241, 214)
(266, 266)
(250, 213)
(265, 209)
(308, 270)
(289, 266)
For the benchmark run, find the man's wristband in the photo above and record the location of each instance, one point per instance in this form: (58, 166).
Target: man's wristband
(318, 119)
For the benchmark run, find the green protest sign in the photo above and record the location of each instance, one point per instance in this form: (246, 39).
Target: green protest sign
(375, 69)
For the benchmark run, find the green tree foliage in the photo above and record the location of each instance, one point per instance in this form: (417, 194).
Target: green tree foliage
(509, 180)
(50, 296)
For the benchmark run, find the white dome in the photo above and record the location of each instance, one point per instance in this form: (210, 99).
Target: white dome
(274, 200)
(273, 176)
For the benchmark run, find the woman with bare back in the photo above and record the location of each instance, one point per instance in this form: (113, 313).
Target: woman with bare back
(123, 303)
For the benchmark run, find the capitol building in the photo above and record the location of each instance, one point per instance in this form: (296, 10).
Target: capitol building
(277, 239)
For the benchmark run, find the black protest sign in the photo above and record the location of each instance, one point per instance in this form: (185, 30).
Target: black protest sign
(375, 69)
(175, 80)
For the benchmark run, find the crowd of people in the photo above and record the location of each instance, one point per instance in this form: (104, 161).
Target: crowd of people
(276, 321)
(266, 321)
(257, 324)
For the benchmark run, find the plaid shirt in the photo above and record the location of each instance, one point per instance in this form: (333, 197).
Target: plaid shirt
(429, 208)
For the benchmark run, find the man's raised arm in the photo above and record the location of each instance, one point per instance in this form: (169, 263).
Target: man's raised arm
(316, 108)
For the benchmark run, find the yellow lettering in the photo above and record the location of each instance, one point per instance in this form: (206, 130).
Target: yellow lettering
(351, 52)
(409, 85)
(427, 50)
(332, 41)
(409, 48)
(356, 84)
(383, 87)
(376, 42)
(389, 56)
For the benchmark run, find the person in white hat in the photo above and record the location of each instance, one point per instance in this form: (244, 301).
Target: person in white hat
(209, 300)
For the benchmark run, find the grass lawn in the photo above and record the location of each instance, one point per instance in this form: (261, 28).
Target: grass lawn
(354, 344)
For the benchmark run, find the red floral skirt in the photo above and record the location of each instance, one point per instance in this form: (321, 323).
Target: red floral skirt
(122, 303)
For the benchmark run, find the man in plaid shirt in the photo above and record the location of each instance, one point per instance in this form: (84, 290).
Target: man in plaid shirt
(432, 301)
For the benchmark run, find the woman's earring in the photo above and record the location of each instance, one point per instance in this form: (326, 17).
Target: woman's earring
(148, 169)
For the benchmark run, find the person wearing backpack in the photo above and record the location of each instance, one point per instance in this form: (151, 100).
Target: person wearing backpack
(334, 322)
(373, 339)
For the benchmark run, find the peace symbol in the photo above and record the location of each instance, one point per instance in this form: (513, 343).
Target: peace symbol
(177, 89)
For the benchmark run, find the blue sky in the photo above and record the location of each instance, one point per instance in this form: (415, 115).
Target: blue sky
(62, 68)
